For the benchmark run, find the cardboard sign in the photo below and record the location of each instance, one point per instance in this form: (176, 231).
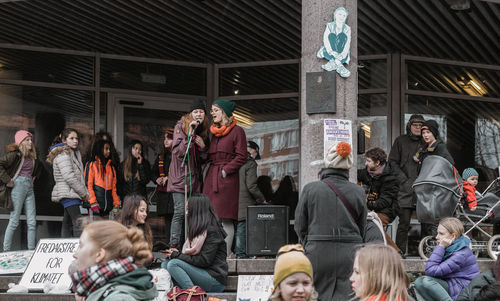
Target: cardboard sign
(14, 262)
(335, 131)
(49, 263)
(254, 287)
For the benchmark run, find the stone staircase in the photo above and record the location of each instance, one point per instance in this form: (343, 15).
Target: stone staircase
(236, 267)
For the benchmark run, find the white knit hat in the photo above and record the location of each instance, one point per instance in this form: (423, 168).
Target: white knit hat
(339, 156)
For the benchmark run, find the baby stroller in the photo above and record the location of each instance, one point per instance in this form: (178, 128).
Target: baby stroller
(439, 194)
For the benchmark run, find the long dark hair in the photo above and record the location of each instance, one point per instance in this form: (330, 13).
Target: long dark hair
(265, 186)
(126, 216)
(101, 135)
(98, 152)
(130, 162)
(63, 135)
(201, 215)
(285, 192)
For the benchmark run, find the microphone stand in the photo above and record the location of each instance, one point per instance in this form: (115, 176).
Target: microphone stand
(190, 137)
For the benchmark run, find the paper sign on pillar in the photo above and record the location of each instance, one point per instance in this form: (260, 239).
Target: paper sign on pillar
(335, 131)
(49, 264)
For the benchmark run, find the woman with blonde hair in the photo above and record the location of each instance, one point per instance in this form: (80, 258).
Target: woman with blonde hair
(378, 275)
(109, 264)
(18, 169)
(451, 266)
(293, 276)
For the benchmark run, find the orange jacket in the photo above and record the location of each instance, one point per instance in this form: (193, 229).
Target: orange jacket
(101, 188)
(471, 194)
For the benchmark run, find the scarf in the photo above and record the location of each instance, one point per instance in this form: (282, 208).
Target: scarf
(457, 245)
(92, 278)
(377, 172)
(194, 247)
(223, 130)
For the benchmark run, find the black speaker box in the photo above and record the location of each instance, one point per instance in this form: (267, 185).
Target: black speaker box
(267, 229)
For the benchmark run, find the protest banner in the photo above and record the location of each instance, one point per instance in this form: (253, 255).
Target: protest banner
(49, 263)
(14, 262)
(254, 287)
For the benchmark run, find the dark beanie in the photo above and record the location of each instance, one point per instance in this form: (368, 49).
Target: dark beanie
(197, 104)
(432, 126)
(227, 106)
(254, 146)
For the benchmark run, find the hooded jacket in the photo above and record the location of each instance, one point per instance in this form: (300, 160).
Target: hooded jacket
(102, 187)
(9, 166)
(135, 285)
(401, 160)
(470, 292)
(386, 186)
(68, 174)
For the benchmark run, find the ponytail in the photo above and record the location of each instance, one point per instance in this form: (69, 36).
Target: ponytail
(119, 241)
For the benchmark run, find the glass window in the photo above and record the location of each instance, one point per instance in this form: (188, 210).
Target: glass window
(45, 112)
(46, 67)
(471, 131)
(256, 80)
(372, 119)
(274, 125)
(453, 79)
(372, 74)
(154, 77)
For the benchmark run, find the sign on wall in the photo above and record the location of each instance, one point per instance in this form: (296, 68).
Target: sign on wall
(49, 263)
(254, 287)
(335, 131)
(320, 92)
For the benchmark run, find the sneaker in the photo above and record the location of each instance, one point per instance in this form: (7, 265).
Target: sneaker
(330, 66)
(320, 54)
(342, 71)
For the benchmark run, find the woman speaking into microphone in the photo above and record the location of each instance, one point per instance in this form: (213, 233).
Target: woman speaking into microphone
(192, 126)
(226, 154)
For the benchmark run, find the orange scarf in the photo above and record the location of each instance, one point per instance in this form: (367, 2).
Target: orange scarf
(223, 130)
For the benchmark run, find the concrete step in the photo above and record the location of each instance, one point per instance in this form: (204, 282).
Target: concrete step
(71, 297)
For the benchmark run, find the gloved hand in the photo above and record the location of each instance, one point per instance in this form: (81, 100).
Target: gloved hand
(116, 209)
(95, 208)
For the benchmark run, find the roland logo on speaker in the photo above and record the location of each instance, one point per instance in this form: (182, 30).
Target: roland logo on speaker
(265, 216)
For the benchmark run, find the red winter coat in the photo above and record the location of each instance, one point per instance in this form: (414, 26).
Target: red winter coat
(229, 153)
(471, 194)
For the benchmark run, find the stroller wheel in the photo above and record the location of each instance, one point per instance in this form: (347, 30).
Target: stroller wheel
(426, 246)
(494, 246)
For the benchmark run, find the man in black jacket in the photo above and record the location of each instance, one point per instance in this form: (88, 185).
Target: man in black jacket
(382, 187)
(401, 160)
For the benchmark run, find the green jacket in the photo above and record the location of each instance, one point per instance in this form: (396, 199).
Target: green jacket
(135, 285)
(470, 292)
(9, 165)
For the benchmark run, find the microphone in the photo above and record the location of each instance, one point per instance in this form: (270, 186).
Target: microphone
(198, 122)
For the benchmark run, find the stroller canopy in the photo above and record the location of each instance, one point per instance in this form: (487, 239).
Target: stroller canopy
(438, 189)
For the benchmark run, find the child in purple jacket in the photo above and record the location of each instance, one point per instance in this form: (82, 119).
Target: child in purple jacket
(451, 265)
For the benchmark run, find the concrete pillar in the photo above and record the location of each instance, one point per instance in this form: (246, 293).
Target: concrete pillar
(315, 15)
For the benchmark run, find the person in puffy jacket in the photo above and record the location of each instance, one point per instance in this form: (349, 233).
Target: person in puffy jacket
(101, 180)
(470, 178)
(451, 266)
(70, 189)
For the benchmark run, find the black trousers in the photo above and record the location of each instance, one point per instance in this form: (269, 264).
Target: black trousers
(71, 225)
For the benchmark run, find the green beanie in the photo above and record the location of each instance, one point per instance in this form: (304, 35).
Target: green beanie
(227, 106)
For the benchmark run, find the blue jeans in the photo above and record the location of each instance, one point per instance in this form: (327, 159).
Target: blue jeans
(432, 289)
(186, 275)
(178, 218)
(240, 248)
(22, 195)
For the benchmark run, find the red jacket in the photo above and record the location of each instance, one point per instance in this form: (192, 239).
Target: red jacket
(471, 194)
(102, 189)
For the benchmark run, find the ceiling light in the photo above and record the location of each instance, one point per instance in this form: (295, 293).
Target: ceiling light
(236, 92)
(472, 82)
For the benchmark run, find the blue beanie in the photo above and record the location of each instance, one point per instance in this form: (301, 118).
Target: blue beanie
(469, 172)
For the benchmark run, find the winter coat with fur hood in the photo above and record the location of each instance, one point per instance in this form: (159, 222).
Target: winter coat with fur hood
(9, 166)
(68, 174)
